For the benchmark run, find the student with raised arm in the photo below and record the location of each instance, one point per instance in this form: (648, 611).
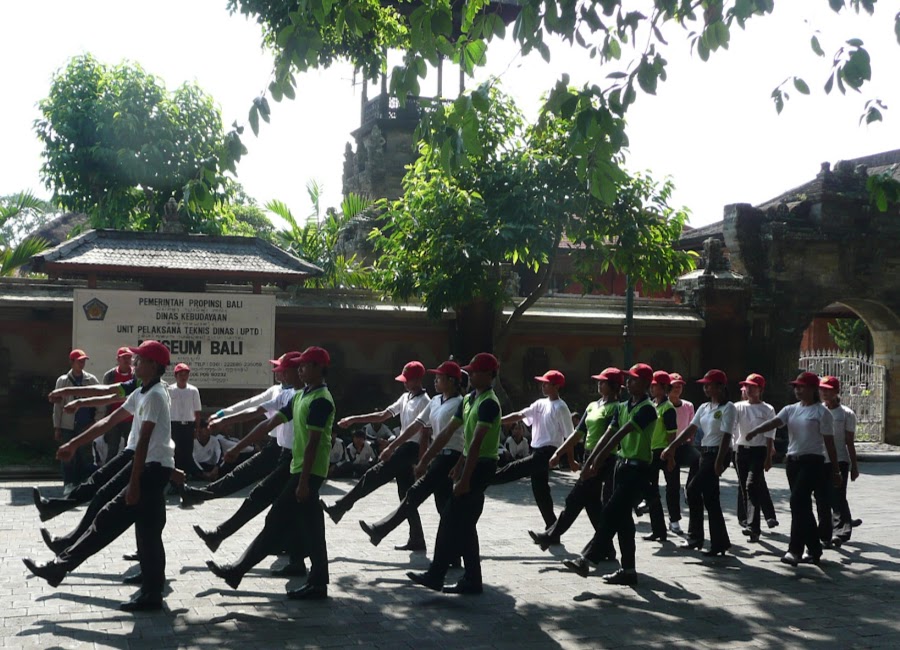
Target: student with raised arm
(810, 440)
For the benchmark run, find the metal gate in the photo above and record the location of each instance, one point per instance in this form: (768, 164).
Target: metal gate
(862, 387)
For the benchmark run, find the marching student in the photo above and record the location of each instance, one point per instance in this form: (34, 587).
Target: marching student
(297, 513)
(396, 462)
(442, 455)
(551, 422)
(684, 412)
(142, 502)
(118, 374)
(186, 413)
(716, 419)
(810, 441)
(753, 458)
(588, 492)
(844, 432)
(663, 434)
(67, 425)
(479, 416)
(631, 430)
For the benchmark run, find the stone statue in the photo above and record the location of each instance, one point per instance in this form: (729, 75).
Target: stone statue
(171, 221)
(713, 257)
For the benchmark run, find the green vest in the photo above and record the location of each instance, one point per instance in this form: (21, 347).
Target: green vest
(301, 403)
(596, 421)
(636, 445)
(660, 435)
(491, 442)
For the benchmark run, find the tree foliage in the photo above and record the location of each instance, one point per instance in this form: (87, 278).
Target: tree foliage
(850, 334)
(118, 146)
(15, 254)
(31, 214)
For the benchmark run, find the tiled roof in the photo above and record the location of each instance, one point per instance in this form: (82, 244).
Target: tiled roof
(147, 253)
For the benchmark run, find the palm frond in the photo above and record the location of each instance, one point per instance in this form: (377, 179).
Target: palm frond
(19, 255)
(354, 204)
(14, 205)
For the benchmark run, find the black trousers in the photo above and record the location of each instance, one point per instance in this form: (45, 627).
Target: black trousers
(183, 437)
(400, 466)
(148, 516)
(86, 490)
(586, 494)
(260, 497)
(458, 533)
(255, 468)
(824, 494)
(840, 506)
(703, 491)
(616, 520)
(804, 474)
(754, 499)
(673, 494)
(537, 466)
(435, 481)
(288, 520)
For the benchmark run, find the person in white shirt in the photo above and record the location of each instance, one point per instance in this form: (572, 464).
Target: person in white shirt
(207, 453)
(810, 440)
(433, 470)
(356, 459)
(186, 413)
(142, 502)
(844, 434)
(399, 462)
(68, 424)
(516, 445)
(551, 423)
(753, 458)
(716, 418)
(337, 450)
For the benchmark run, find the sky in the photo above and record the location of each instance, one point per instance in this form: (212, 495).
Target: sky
(711, 127)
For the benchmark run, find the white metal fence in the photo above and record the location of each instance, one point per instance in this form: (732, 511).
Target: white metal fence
(862, 387)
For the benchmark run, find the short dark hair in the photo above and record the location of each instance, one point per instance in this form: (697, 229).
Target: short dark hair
(359, 433)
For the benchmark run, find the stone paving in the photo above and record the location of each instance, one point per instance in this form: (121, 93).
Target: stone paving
(748, 599)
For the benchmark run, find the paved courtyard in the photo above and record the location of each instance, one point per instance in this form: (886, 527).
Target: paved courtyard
(748, 599)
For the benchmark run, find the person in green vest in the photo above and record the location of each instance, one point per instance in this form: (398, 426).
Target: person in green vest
(297, 511)
(479, 414)
(663, 434)
(630, 430)
(588, 493)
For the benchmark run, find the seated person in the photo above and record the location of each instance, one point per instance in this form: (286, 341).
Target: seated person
(358, 457)
(516, 445)
(337, 450)
(209, 454)
(379, 435)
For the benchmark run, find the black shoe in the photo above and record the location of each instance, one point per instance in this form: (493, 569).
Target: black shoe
(426, 580)
(136, 579)
(580, 565)
(464, 587)
(790, 558)
(334, 512)
(772, 522)
(621, 577)
(713, 552)
(309, 592)
(826, 543)
(211, 539)
(811, 559)
(753, 538)
(746, 530)
(51, 572)
(191, 496)
(856, 523)
(51, 542)
(654, 537)
(374, 537)
(836, 541)
(45, 512)
(291, 570)
(411, 546)
(543, 540)
(227, 573)
(131, 557)
(143, 603)
(696, 544)
(455, 564)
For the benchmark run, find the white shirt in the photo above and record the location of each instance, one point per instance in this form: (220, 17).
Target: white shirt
(408, 408)
(806, 427)
(517, 449)
(283, 433)
(185, 402)
(750, 416)
(337, 452)
(550, 422)
(844, 421)
(364, 456)
(715, 422)
(208, 454)
(437, 416)
(253, 402)
(152, 406)
(227, 444)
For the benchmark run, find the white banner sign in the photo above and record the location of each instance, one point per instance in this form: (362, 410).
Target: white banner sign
(226, 339)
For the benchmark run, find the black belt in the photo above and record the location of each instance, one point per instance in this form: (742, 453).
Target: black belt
(634, 462)
(184, 422)
(709, 450)
(805, 457)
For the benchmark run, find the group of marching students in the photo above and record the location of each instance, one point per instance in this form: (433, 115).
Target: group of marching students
(448, 447)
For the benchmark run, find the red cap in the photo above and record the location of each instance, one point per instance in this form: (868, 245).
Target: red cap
(412, 370)
(830, 382)
(714, 377)
(610, 374)
(153, 351)
(482, 362)
(554, 377)
(640, 371)
(676, 378)
(123, 352)
(661, 378)
(754, 379)
(810, 379)
(448, 368)
(77, 355)
(316, 355)
(277, 361)
(181, 367)
(287, 360)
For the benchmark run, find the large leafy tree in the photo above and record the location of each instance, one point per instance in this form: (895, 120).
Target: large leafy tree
(15, 253)
(118, 146)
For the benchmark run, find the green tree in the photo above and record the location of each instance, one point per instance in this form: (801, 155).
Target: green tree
(118, 146)
(32, 214)
(13, 255)
(850, 334)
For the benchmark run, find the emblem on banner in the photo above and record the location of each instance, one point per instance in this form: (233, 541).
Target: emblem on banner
(95, 309)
